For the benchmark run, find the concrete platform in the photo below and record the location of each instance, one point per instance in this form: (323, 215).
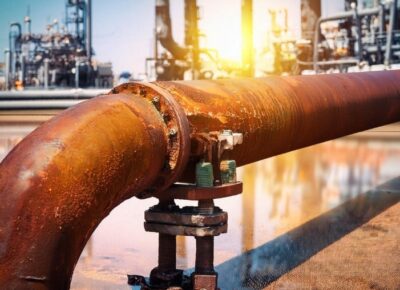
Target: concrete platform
(352, 246)
(367, 258)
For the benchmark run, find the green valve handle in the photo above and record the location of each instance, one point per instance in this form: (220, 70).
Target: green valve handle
(204, 174)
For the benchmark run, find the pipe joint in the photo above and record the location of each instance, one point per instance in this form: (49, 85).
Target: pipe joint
(178, 132)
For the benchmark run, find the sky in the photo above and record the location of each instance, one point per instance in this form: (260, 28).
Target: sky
(123, 29)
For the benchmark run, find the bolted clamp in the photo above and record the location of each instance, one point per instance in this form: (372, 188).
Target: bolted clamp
(215, 178)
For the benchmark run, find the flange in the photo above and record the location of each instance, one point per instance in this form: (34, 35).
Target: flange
(178, 131)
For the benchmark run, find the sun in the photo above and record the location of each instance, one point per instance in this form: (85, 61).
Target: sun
(221, 27)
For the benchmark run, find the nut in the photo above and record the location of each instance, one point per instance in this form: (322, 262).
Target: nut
(172, 132)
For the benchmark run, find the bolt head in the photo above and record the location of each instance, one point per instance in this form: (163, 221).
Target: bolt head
(172, 132)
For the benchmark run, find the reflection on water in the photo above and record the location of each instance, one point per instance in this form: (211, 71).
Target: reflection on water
(11, 134)
(280, 194)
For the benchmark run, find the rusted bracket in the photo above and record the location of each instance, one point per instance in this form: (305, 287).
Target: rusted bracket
(188, 191)
(211, 146)
(214, 179)
(202, 222)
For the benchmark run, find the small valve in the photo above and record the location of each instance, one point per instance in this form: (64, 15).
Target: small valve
(230, 139)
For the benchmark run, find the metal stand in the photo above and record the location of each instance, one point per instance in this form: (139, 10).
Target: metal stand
(215, 178)
(203, 222)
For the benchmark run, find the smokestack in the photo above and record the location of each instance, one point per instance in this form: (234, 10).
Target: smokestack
(247, 38)
(28, 22)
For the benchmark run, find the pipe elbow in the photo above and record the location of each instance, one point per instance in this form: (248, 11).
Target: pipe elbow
(61, 180)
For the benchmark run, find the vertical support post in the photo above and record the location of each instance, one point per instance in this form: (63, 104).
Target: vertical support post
(88, 29)
(7, 56)
(77, 73)
(381, 18)
(88, 42)
(359, 32)
(396, 15)
(77, 16)
(204, 255)
(247, 38)
(205, 245)
(389, 33)
(192, 35)
(22, 77)
(46, 73)
(166, 274)
(166, 252)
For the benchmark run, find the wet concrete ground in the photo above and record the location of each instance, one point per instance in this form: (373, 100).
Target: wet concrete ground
(367, 258)
(302, 222)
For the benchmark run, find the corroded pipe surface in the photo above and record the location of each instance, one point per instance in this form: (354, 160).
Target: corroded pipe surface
(65, 177)
(280, 114)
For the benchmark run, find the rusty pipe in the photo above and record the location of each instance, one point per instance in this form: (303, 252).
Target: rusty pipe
(280, 114)
(164, 31)
(66, 176)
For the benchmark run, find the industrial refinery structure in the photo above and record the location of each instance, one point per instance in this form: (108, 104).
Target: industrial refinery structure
(178, 142)
(364, 36)
(60, 57)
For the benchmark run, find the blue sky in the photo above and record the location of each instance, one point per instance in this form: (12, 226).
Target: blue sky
(123, 29)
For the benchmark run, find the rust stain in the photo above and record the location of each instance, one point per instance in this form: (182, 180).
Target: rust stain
(77, 167)
(66, 176)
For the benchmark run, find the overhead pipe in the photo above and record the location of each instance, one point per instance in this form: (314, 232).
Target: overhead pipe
(51, 94)
(66, 176)
(164, 30)
(14, 46)
(40, 104)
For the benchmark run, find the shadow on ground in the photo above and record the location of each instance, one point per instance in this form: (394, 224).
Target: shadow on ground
(259, 267)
